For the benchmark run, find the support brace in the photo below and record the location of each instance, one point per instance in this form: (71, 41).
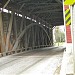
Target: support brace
(24, 31)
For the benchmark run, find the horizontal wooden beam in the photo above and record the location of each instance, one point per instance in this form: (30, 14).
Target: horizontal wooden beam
(47, 11)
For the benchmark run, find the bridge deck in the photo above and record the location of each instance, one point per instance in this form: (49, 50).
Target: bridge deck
(37, 62)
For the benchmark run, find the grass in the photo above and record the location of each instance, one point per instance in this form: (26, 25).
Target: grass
(59, 43)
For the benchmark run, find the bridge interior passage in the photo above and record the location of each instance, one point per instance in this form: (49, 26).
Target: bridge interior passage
(28, 24)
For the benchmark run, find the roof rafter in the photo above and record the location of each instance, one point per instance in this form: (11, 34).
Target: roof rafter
(58, 1)
(52, 18)
(47, 6)
(45, 11)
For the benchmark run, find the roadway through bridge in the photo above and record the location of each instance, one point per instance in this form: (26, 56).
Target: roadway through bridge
(43, 61)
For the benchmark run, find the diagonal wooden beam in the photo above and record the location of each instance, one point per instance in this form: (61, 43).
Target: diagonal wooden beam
(58, 1)
(22, 23)
(6, 4)
(21, 6)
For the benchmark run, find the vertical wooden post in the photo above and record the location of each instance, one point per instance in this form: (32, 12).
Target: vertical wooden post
(73, 32)
(22, 22)
(42, 38)
(28, 38)
(2, 35)
(38, 37)
(1, 27)
(15, 27)
(67, 14)
(33, 36)
(25, 35)
(9, 32)
(68, 37)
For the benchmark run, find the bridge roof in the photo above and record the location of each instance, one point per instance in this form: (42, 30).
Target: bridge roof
(48, 11)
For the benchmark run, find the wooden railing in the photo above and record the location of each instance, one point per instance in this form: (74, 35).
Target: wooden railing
(22, 50)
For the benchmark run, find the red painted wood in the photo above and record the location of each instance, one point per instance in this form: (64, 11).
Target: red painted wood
(68, 34)
(66, 7)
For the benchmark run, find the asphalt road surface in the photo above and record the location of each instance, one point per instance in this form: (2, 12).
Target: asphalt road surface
(36, 62)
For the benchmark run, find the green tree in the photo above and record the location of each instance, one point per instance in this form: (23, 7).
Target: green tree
(59, 36)
(62, 37)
